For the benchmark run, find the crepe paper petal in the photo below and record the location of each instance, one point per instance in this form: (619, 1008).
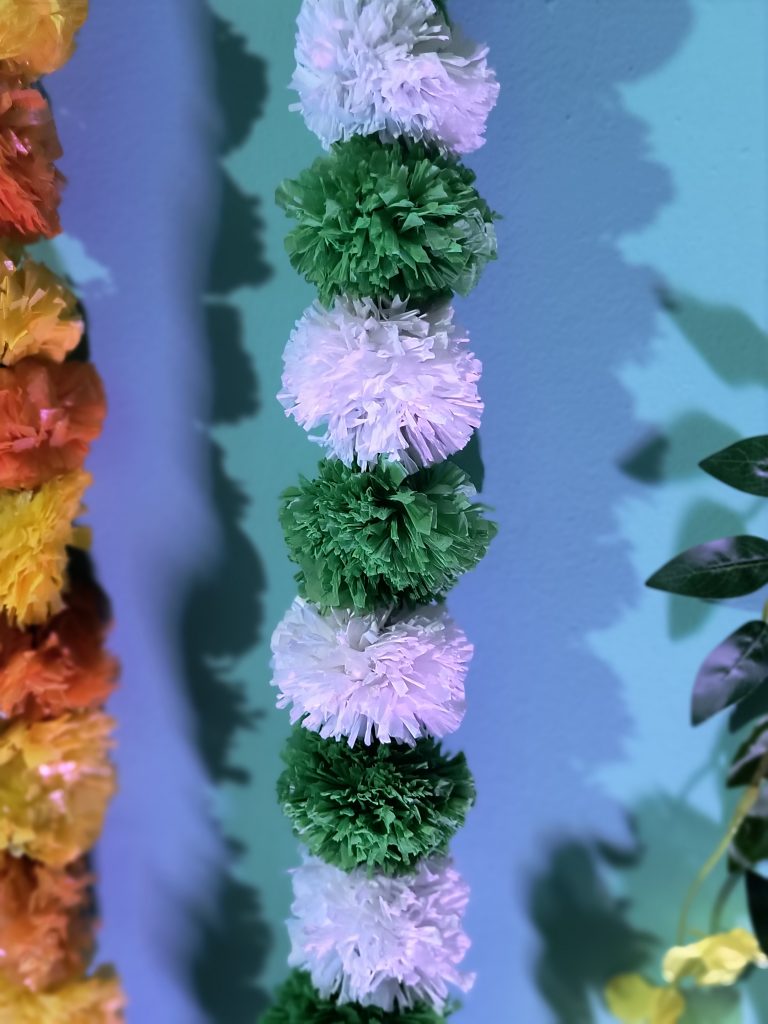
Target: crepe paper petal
(365, 540)
(95, 1000)
(49, 415)
(39, 315)
(56, 781)
(392, 67)
(385, 675)
(46, 923)
(716, 960)
(394, 943)
(387, 219)
(38, 36)
(30, 184)
(382, 379)
(36, 528)
(633, 1000)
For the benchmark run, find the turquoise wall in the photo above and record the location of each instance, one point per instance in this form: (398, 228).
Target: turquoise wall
(624, 337)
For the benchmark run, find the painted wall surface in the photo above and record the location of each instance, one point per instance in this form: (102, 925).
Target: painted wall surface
(623, 333)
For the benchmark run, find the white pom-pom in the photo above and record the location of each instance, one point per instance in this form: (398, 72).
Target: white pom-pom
(379, 941)
(392, 67)
(382, 379)
(395, 677)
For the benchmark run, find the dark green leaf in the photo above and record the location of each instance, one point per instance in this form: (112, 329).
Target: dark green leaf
(751, 840)
(730, 567)
(743, 465)
(757, 899)
(732, 671)
(748, 756)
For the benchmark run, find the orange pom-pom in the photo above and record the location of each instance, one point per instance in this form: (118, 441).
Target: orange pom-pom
(39, 315)
(95, 1000)
(30, 184)
(46, 923)
(49, 414)
(38, 36)
(61, 665)
(56, 781)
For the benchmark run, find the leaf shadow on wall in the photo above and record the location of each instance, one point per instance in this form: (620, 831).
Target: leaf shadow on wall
(223, 614)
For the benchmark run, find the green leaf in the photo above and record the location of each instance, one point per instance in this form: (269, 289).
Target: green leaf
(757, 900)
(733, 671)
(743, 465)
(751, 840)
(749, 755)
(730, 567)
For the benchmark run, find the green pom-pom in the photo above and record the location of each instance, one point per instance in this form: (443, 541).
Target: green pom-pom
(297, 1002)
(363, 540)
(387, 219)
(383, 807)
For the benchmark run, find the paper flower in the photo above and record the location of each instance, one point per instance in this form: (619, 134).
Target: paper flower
(38, 313)
(716, 960)
(56, 780)
(46, 932)
(297, 1002)
(386, 219)
(38, 37)
(36, 527)
(30, 185)
(382, 379)
(392, 67)
(382, 807)
(95, 1000)
(393, 676)
(62, 665)
(366, 540)
(633, 1000)
(386, 942)
(49, 415)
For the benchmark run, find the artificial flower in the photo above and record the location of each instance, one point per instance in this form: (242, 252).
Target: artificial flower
(30, 184)
(56, 780)
(380, 941)
(38, 313)
(716, 960)
(46, 933)
(382, 379)
(94, 1000)
(36, 527)
(392, 67)
(633, 1000)
(49, 415)
(383, 674)
(38, 36)
(61, 665)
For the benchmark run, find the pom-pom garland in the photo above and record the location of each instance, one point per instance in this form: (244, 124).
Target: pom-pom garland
(386, 219)
(36, 528)
(392, 67)
(45, 931)
(382, 379)
(39, 315)
(61, 665)
(389, 675)
(363, 540)
(49, 415)
(394, 943)
(38, 36)
(297, 1002)
(382, 807)
(56, 781)
(94, 1000)
(30, 184)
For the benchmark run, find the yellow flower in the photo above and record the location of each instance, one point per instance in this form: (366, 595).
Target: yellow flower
(38, 37)
(56, 781)
(38, 313)
(36, 529)
(633, 1000)
(95, 1000)
(716, 960)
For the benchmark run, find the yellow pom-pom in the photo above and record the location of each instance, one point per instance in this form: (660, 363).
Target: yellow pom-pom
(38, 36)
(56, 781)
(38, 313)
(36, 528)
(95, 1000)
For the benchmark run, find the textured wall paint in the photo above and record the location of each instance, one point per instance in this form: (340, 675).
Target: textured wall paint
(629, 158)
